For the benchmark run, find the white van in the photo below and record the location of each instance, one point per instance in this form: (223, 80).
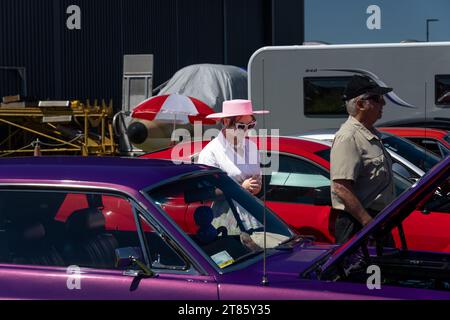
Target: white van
(302, 85)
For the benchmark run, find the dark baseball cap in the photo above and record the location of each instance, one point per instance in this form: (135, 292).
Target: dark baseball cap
(359, 85)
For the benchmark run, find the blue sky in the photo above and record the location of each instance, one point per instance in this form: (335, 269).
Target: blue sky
(344, 21)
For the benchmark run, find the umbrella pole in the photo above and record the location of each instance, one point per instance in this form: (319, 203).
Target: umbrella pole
(174, 122)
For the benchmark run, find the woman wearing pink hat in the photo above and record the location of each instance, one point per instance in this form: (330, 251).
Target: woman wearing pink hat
(230, 150)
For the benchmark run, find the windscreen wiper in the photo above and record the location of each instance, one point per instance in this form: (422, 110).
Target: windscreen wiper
(248, 256)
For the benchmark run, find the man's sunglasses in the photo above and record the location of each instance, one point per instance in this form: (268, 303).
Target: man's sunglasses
(245, 126)
(375, 98)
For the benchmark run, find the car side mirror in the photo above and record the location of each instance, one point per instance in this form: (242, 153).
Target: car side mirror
(131, 257)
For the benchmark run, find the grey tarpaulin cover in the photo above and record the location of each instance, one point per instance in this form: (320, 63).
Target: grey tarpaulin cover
(210, 83)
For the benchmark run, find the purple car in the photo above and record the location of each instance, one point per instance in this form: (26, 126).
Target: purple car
(116, 228)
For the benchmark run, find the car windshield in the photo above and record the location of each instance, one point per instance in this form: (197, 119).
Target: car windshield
(225, 221)
(401, 184)
(411, 152)
(444, 150)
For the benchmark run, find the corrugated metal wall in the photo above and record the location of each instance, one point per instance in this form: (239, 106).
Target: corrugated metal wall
(87, 63)
(26, 40)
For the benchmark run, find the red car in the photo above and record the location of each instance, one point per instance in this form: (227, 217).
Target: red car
(299, 192)
(434, 140)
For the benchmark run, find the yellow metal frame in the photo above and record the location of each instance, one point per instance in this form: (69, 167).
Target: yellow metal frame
(29, 121)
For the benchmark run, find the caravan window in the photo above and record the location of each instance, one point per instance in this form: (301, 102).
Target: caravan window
(442, 85)
(323, 96)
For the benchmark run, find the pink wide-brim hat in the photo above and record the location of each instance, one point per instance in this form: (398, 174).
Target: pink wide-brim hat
(236, 108)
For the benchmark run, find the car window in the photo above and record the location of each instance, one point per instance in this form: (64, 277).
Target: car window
(447, 138)
(429, 144)
(324, 154)
(442, 89)
(225, 221)
(425, 160)
(111, 205)
(323, 95)
(444, 150)
(400, 168)
(297, 181)
(68, 228)
(161, 254)
(401, 184)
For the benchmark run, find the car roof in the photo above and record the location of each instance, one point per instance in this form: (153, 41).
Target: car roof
(416, 131)
(394, 130)
(318, 132)
(133, 173)
(306, 143)
(439, 134)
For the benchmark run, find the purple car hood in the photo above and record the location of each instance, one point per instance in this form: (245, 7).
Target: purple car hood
(395, 212)
(283, 266)
(283, 270)
(286, 270)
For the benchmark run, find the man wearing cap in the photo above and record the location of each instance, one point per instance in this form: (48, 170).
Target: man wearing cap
(361, 171)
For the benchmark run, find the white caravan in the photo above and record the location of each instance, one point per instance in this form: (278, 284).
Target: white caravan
(302, 85)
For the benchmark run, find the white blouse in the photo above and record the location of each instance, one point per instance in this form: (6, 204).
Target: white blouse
(220, 153)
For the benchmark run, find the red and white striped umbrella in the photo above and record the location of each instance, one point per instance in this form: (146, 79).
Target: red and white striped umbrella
(173, 108)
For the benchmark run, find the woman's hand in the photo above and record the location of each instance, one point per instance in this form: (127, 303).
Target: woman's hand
(252, 185)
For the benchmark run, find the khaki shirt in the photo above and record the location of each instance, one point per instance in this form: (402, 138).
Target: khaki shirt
(358, 154)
